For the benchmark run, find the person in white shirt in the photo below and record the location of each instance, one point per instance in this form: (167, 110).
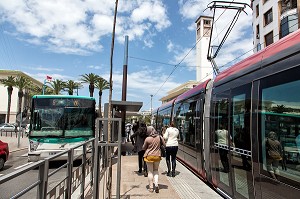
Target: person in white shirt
(171, 136)
(222, 136)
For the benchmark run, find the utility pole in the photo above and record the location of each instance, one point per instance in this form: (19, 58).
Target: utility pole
(124, 85)
(109, 101)
(111, 71)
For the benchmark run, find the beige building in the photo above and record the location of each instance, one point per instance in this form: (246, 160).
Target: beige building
(178, 90)
(14, 98)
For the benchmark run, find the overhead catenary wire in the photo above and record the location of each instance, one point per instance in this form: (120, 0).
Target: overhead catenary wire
(221, 67)
(7, 47)
(176, 66)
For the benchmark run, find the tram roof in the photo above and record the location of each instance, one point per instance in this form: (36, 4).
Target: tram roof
(256, 60)
(194, 91)
(166, 105)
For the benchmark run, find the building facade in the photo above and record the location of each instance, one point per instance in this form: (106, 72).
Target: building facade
(178, 91)
(272, 20)
(14, 97)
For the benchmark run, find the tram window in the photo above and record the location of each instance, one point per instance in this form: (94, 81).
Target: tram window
(185, 122)
(179, 121)
(280, 124)
(163, 120)
(190, 123)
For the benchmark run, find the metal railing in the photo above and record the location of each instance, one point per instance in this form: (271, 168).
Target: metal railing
(84, 181)
(12, 133)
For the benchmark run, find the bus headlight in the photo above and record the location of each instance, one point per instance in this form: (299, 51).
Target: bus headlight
(33, 145)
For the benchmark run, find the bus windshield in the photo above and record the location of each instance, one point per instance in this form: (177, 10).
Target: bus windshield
(62, 118)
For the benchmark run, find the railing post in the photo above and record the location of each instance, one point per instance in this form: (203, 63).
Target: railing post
(43, 177)
(69, 173)
(96, 165)
(83, 171)
(119, 163)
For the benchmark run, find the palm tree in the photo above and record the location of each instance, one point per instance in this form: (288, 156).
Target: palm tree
(71, 85)
(9, 83)
(22, 83)
(58, 86)
(101, 84)
(91, 79)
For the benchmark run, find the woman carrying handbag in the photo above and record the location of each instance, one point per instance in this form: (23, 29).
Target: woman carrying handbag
(152, 156)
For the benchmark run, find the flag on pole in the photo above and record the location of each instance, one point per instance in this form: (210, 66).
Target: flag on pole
(48, 78)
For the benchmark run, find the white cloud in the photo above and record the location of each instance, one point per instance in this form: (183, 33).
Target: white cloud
(185, 57)
(193, 9)
(95, 67)
(144, 82)
(77, 27)
(170, 46)
(40, 68)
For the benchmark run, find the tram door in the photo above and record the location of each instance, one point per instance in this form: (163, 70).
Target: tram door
(199, 137)
(231, 120)
(240, 142)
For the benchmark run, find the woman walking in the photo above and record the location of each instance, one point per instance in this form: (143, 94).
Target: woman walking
(152, 156)
(139, 136)
(170, 136)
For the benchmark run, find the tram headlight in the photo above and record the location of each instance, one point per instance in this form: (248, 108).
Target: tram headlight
(33, 145)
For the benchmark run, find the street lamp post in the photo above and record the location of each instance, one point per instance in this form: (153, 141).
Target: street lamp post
(151, 104)
(151, 110)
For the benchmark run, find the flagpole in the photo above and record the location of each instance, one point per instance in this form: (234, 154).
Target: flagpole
(44, 86)
(48, 78)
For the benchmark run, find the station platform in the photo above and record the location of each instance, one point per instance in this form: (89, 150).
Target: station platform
(185, 185)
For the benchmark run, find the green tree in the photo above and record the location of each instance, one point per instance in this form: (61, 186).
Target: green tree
(22, 83)
(9, 83)
(71, 85)
(58, 86)
(36, 90)
(90, 78)
(101, 84)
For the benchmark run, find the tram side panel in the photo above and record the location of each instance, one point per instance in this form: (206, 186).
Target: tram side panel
(276, 106)
(260, 106)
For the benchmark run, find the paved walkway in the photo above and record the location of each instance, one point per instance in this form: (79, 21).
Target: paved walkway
(184, 185)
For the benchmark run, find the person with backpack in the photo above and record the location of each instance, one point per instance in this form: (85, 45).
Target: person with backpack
(139, 137)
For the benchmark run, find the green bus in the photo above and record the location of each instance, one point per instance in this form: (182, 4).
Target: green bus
(58, 123)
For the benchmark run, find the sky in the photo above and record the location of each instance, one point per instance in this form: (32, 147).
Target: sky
(65, 39)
